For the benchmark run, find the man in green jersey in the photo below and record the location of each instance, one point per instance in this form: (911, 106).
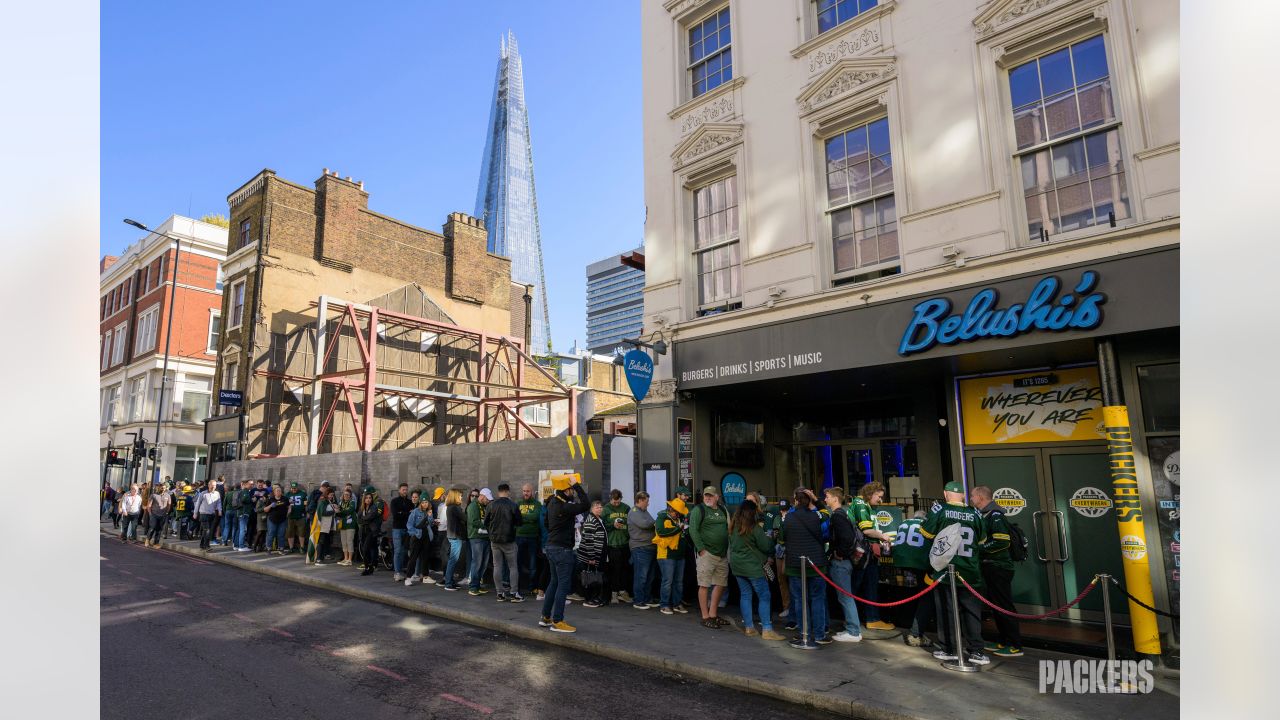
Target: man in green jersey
(295, 531)
(617, 542)
(967, 562)
(528, 538)
(911, 555)
(997, 571)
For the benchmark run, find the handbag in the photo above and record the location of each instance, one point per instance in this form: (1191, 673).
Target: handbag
(591, 577)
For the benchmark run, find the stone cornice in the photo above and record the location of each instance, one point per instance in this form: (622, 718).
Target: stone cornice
(846, 78)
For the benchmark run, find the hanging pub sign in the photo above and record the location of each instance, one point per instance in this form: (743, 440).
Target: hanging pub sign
(932, 324)
(638, 367)
(999, 409)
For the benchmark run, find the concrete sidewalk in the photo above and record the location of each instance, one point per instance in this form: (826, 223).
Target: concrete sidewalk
(877, 678)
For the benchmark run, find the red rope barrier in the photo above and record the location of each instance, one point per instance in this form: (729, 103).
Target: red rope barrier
(928, 588)
(1087, 589)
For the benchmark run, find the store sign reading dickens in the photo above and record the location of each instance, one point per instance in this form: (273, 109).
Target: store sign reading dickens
(1005, 409)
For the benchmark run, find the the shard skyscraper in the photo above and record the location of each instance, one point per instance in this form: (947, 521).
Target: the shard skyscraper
(506, 199)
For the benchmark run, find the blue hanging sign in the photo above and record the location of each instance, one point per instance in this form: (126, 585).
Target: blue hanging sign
(932, 324)
(733, 488)
(639, 369)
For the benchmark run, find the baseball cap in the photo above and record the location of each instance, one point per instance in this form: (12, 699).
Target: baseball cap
(682, 490)
(325, 484)
(710, 490)
(954, 487)
(439, 493)
(486, 493)
(369, 490)
(293, 484)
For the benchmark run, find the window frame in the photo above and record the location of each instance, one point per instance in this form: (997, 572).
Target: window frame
(235, 322)
(853, 121)
(148, 322)
(214, 338)
(137, 398)
(1116, 123)
(814, 14)
(231, 375)
(117, 350)
(246, 230)
(723, 173)
(686, 31)
(106, 350)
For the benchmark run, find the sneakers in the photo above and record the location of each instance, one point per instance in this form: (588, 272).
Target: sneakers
(977, 659)
(666, 611)
(428, 580)
(915, 640)
(540, 596)
(398, 577)
(474, 593)
(1007, 651)
(502, 597)
(750, 632)
(721, 621)
(544, 621)
(846, 637)
(625, 597)
(591, 604)
(771, 635)
(243, 549)
(792, 625)
(944, 655)
(642, 606)
(681, 609)
(367, 571)
(515, 598)
(408, 582)
(824, 640)
(575, 597)
(881, 625)
(450, 588)
(563, 627)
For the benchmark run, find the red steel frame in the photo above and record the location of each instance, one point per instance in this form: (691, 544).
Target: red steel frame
(365, 376)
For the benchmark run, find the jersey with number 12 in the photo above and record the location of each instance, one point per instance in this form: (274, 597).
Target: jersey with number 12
(972, 535)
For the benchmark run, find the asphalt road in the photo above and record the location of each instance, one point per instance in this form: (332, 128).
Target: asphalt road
(184, 637)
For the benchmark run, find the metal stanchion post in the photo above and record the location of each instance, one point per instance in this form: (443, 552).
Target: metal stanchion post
(957, 642)
(1112, 683)
(806, 642)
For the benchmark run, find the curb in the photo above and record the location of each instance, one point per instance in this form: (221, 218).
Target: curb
(815, 700)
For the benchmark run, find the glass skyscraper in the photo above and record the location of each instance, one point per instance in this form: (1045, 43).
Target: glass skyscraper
(615, 304)
(506, 199)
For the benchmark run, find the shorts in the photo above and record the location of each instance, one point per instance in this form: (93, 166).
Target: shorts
(348, 539)
(712, 570)
(296, 528)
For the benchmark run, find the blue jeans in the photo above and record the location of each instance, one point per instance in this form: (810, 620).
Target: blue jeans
(275, 531)
(842, 575)
(228, 528)
(455, 552)
(866, 584)
(642, 559)
(527, 561)
(760, 587)
(399, 548)
(479, 561)
(817, 590)
(242, 531)
(672, 591)
(561, 561)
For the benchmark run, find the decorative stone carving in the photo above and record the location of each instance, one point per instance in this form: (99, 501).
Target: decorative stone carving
(706, 140)
(678, 7)
(714, 111)
(661, 392)
(828, 55)
(997, 15)
(848, 80)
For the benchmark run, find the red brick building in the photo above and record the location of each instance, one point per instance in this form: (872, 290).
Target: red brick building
(133, 314)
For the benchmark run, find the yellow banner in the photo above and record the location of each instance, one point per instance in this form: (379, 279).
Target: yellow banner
(1042, 407)
(1133, 544)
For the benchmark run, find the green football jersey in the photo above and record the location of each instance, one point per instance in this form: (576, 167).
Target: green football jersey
(910, 548)
(297, 504)
(972, 535)
(860, 515)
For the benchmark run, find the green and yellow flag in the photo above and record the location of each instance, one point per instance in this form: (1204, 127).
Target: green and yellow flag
(313, 538)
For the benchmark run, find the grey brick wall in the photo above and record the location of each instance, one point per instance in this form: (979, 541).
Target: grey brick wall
(470, 464)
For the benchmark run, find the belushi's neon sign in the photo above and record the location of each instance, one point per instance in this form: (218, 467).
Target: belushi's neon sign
(932, 324)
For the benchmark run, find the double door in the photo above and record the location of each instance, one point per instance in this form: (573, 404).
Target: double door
(1061, 499)
(845, 465)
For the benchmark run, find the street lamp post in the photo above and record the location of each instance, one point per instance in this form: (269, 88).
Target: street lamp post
(168, 336)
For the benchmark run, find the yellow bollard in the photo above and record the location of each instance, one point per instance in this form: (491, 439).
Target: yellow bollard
(1133, 543)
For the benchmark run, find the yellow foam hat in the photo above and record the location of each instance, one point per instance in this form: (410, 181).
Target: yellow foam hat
(439, 493)
(563, 482)
(679, 506)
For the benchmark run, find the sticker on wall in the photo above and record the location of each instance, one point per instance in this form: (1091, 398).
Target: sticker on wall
(1090, 502)
(1132, 547)
(1173, 467)
(1009, 499)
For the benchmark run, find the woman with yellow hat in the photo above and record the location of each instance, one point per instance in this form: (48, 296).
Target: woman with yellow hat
(670, 535)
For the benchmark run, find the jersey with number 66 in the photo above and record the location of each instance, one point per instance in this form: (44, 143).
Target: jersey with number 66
(972, 535)
(910, 548)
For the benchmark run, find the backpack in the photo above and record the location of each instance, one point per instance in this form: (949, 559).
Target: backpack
(1019, 548)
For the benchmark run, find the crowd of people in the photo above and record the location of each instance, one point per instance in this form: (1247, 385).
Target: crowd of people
(565, 548)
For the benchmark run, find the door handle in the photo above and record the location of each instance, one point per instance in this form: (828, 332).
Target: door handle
(1035, 527)
(1062, 534)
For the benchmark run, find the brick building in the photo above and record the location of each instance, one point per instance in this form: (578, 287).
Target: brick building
(288, 246)
(133, 316)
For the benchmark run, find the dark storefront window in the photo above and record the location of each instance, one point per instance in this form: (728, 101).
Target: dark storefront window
(738, 440)
(1160, 407)
(810, 430)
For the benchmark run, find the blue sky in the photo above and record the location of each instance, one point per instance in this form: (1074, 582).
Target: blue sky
(198, 97)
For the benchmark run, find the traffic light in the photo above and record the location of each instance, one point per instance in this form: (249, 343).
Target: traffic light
(153, 454)
(113, 457)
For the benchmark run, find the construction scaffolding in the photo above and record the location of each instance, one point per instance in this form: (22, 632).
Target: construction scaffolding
(380, 368)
